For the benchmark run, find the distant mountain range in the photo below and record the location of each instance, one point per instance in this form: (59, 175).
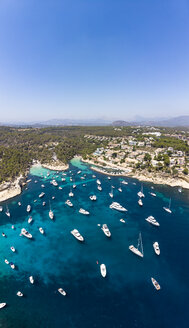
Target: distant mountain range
(180, 121)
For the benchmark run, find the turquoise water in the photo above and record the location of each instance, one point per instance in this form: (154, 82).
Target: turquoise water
(126, 297)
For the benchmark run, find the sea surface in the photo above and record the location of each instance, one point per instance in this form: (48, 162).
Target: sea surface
(126, 297)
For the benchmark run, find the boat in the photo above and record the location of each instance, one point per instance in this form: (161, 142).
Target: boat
(63, 179)
(2, 305)
(155, 283)
(77, 235)
(136, 250)
(140, 203)
(118, 207)
(31, 279)
(122, 220)
(53, 197)
(152, 220)
(71, 194)
(153, 194)
(25, 233)
(44, 203)
(20, 294)
(51, 214)
(28, 209)
(140, 193)
(98, 182)
(79, 172)
(168, 209)
(41, 231)
(19, 204)
(156, 248)
(99, 188)
(111, 193)
(1, 208)
(74, 186)
(69, 203)
(13, 249)
(7, 212)
(3, 234)
(106, 230)
(60, 188)
(180, 189)
(124, 182)
(93, 176)
(12, 265)
(6, 261)
(12, 227)
(109, 178)
(119, 189)
(103, 270)
(82, 211)
(43, 186)
(41, 194)
(62, 291)
(30, 220)
(93, 197)
(54, 183)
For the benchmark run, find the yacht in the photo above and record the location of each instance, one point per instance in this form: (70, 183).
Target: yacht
(20, 294)
(155, 283)
(124, 182)
(106, 230)
(28, 209)
(41, 194)
(140, 203)
(136, 250)
(99, 188)
(103, 270)
(118, 207)
(54, 183)
(119, 189)
(82, 211)
(7, 212)
(30, 220)
(12, 265)
(122, 220)
(140, 193)
(25, 233)
(156, 248)
(2, 305)
(68, 203)
(168, 209)
(1, 208)
(152, 220)
(62, 291)
(93, 197)
(77, 235)
(98, 182)
(41, 231)
(6, 261)
(31, 279)
(13, 249)
(51, 214)
(19, 204)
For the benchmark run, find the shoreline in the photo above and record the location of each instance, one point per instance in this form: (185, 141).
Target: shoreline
(126, 172)
(55, 167)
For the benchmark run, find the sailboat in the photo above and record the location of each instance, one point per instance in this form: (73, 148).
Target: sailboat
(7, 212)
(136, 250)
(168, 209)
(111, 193)
(140, 193)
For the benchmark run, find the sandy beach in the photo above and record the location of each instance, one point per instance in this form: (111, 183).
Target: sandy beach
(55, 166)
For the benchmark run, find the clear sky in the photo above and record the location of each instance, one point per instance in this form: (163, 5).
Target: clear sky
(93, 58)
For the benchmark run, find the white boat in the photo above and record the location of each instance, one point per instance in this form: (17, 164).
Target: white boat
(118, 207)
(71, 194)
(43, 186)
(156, 248)
(77, 235)
(31, 279)
(106, 230)
(41, 230)
(41, 194)
(122, 220)
(180, 189)
(124, 182)
(152, 220)
(12, 227)
(20, 294)
(25, 233)
(3, 234)
(168, 209)
(103, 270)
(111, 192)
(6, 261)
(98, 182)
(7, 212)
(109, 178)
(1, 208)
(54, 183)
(63, 179)
(2, 305)
(155, 283)
(30, 220)
(53, 197)
(44, 203)
(93, 197)
(60, 188)
(51, 215)
(136, 250)
(79, 172)
(62, 291)
(153, 194)
(74, 186)
(13, 249)
(82, 211)
(12, 265)
(93, 176)
(68, 203)
(28, 209)
(99, 188)
(119, 189)
(140, 203)
(140, 193)
(19, 204)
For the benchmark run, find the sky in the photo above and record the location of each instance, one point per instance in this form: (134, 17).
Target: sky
(86, 59)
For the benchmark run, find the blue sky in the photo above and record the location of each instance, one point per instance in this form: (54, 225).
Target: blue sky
(93, 58)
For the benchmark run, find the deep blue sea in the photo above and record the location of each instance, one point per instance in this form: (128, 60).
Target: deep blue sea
(126, 297)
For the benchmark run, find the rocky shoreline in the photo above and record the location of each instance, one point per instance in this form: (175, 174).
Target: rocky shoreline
(55, 166)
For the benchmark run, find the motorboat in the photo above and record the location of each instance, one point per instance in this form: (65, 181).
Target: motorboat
(93, 176)
(156, 248)
(44, 203)
(19, 204)
(118, 207)
(71, 194)
(54, 183)
(153, 194)
(109, 178)
(140, 203)
(99, 188)
(152, 220)
(43, 186)
(168, 209)
(63, 179)
(28, 209)
(53, 197)
(74, 186)
(13, 249)
(124, 182)
(30, 220)
(20, 294)
(136, 250)
(111, 192)
(3, 234)
(6, 261)
(41, 230)
(69, 203)
(122, 220)
(93, 197)
(12, 265)
(31, 279)
(98, 182)
(2, 305)
(7, 212)
(82, 211)
(1, 208)
(51, 215)
(79, 172)
(155, 283)
(60, 188)
(106, 230)
(12, 227)
(119, 189)
(25, 233)
(62, 291)
(41, 194)
(77, 235)
(103, 270)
